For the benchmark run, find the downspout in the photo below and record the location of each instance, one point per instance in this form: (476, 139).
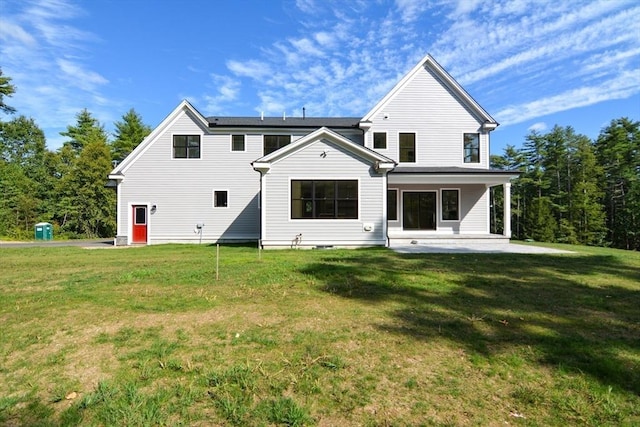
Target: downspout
(385, 220)
(262, 168)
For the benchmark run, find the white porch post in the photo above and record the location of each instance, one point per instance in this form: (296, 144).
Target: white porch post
(507, 209)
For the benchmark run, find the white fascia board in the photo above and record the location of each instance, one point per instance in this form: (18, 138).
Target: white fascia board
(331, 136)
(117, 176)
(449, 179)
(261, 166)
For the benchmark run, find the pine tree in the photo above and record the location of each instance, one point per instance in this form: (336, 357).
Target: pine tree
(618, 151)
(6, 89)
(87, 129)
(129, 134)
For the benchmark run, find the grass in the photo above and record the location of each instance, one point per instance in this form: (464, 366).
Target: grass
(147, 336)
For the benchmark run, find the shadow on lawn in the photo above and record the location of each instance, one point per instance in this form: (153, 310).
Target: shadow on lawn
(490, 303)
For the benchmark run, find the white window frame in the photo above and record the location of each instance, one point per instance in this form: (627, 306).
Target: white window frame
(321, 220)
(244, 143)
(415, 148)
(397, 191)
(386, 141)
(213, 200)
(192, 159)
(464, 155)
(441, 207)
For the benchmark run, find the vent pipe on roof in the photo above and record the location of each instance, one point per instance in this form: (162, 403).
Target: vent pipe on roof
(284, 115)
(303, 113)
(261, 115)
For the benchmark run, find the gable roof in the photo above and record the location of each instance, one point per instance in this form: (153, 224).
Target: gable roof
(183, 107)
(428, 62)
(324, 133)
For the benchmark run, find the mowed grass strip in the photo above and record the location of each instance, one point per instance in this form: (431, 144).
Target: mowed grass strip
(148, 336)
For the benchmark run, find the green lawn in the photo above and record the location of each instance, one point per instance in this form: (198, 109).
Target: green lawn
(148, 336)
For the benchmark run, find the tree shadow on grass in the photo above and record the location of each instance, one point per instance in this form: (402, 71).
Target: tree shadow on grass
(574, 311)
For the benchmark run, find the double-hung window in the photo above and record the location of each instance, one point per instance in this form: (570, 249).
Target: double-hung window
(324, 199)
(186, 146)
(407, 147)
(471, 148)
(272, 143)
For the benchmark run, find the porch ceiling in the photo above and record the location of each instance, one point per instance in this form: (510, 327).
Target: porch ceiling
(435, 175)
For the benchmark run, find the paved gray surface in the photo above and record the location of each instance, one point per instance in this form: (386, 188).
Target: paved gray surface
(468, 248)
(92, 243)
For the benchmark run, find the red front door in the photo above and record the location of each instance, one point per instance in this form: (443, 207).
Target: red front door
(139, 224)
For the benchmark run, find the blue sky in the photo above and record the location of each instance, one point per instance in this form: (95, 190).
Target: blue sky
(530, 64)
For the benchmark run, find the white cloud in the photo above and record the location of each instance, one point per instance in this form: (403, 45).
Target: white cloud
(252, 68)
(227, 90)
(75, 73)
(538, 127)
(306, 6)
(624, 86)
(46, 58)
(410, 10)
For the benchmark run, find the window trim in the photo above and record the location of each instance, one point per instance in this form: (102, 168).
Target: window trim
(213, 201)
(415, 148)
(244, 143)
(173, 147)
(397, 217)
(442, 205)
(324, 219)
(386, 142)
(464, 148)
(264, 136)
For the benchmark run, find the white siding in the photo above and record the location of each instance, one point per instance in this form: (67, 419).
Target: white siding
(426, 107)
(309, 163)
(182, 189)
(473, 209)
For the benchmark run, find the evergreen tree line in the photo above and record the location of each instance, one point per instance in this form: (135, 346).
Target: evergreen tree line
(65, 187)
(575, 190)
(571, 189)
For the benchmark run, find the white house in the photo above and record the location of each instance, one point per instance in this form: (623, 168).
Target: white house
(415, 167)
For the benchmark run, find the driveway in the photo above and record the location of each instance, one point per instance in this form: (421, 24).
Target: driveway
(469, 248)
(91, 243)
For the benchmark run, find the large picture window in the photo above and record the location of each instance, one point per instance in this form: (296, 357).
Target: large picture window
(407, 147)
(450, 205)
(471, 148)
(272, 143)
(324, 199)
(186, 146)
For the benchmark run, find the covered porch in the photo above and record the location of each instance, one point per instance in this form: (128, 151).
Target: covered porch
(446, 206)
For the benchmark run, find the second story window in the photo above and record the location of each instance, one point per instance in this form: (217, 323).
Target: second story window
(379, 140)
(274, 142)
(186, 146)
(237, 143)
(407, 147)
(471, 148)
